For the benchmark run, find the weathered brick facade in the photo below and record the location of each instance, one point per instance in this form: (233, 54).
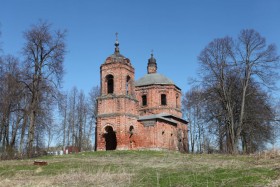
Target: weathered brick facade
(143, 114)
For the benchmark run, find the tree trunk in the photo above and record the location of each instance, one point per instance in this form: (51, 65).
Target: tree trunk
(64, 128)
(14, 132)
(31, 132)
(23, 128)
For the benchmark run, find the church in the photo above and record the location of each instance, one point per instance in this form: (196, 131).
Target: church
(142, 114)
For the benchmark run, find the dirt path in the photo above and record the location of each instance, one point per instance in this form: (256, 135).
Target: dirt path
(275, 183)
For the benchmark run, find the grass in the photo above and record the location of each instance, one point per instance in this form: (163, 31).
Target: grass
(142, 168)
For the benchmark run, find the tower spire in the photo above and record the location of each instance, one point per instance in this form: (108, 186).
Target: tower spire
(117, 50)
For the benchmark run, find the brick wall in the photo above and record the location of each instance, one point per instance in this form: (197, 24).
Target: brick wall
(153, 93)
(118, 112)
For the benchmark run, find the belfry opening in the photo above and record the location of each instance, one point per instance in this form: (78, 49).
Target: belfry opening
(110, 84)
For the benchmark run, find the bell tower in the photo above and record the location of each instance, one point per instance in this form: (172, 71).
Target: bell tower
(117, 104)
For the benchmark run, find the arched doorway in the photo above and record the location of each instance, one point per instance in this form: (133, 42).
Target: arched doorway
(110, 138)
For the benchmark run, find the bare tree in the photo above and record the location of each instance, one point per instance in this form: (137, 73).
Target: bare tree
(78, 118)
(63, 109)
(228, 69)
(82, 116)
(276, 124)
(92, 103)
(255, 59)
(258, 120)
(217, 63)
(44, 54)
(193, 107)
(11, 94)
(72, 119)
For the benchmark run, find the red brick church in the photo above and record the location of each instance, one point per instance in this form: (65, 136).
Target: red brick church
(142, 114)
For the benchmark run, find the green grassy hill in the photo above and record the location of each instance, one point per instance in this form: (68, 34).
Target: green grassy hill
(142, 168)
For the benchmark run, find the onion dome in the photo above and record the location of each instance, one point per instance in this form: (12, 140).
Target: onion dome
(152, 64)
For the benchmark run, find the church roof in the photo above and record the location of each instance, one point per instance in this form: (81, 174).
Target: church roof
(153, 78)
(163, 116)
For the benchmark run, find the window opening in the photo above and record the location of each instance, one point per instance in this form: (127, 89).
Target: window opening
(131, 129)
(144, 100)
(127, 85)
(177, 101)
(163, 99)
(110, 84)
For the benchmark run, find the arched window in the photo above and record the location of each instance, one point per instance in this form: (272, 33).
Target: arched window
(163, 99)
(144, 100)
(110, 84)
(131, 129)
(177, 100)
(127, 85)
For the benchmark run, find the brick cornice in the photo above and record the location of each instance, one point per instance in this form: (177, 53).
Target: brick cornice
(155, 108)
(113, 96)
(116, 115)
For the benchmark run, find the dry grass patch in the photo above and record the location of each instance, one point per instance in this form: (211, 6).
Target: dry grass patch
(141, 168)
(72, 178)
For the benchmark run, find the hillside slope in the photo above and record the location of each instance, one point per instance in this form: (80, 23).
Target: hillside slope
(141, 168)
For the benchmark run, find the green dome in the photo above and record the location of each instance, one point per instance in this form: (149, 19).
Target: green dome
(153, 78)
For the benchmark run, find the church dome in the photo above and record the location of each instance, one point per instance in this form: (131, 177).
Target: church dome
(117, 57)
(153, 78)
(152, 60)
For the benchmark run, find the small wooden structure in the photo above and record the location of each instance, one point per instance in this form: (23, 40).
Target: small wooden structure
(40, 163)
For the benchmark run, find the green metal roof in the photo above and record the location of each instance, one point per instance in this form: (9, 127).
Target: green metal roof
(163, 116)
(153, 78)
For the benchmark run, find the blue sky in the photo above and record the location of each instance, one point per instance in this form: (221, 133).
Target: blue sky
(176, 30)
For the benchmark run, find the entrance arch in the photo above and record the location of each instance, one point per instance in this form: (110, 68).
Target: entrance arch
(110, 138)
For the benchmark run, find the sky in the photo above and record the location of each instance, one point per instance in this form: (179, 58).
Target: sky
(177, 31)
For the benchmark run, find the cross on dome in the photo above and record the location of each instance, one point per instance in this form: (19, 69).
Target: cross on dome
(117, 50)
